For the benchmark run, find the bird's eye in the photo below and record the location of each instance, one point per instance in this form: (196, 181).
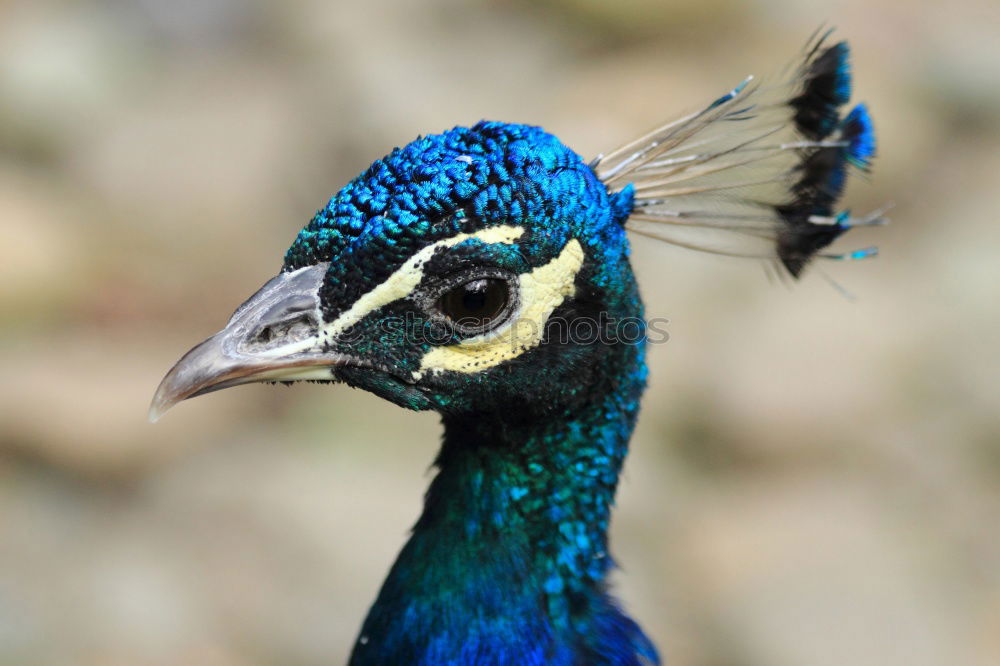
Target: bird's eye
(477, 304)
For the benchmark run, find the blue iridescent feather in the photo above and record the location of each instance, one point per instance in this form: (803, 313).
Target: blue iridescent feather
(859, 132)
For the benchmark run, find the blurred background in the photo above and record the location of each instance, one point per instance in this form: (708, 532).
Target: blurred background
(814, 481)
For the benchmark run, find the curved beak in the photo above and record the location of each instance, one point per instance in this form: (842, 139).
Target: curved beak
(273, 336)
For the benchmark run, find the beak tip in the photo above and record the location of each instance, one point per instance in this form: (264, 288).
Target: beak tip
(157, 408)
(163, 400)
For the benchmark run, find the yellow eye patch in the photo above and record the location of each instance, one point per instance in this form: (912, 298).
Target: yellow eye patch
(541, 292)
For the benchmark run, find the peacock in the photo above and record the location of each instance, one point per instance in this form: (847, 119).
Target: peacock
(484, 273)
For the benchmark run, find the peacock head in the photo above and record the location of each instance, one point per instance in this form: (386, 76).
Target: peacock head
(455, 273)
(444, 277)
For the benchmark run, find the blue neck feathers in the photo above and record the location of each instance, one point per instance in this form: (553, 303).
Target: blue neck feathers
(508, 562)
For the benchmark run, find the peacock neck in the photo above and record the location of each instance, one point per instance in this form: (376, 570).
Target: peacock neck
(509, 560)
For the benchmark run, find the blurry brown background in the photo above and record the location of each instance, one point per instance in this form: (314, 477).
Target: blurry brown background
(814, 481)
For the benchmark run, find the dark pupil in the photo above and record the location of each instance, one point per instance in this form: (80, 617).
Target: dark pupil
(475, 303)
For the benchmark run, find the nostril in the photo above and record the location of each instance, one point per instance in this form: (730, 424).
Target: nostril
(300, 328)
(284, 332)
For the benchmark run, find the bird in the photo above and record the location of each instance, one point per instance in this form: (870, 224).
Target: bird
(484, 273)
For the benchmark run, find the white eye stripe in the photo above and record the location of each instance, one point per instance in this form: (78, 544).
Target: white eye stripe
(541, 292)
(407, 277)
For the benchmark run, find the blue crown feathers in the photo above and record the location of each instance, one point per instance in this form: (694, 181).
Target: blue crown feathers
(757, 173)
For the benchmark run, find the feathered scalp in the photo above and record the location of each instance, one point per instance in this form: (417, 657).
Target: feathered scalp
(758, 172)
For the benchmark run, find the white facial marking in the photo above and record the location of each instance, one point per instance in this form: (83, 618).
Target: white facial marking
(541, 292)
(406, 278)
